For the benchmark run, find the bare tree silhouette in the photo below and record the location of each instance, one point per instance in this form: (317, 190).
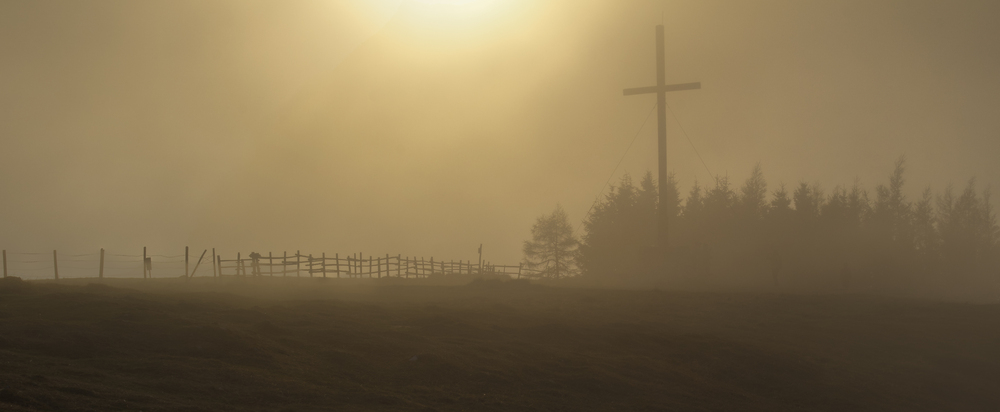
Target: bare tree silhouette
(553, 246)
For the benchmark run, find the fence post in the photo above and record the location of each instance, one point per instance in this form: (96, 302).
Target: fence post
(284, 263)
(187, 273)
(519, 266)
(218, 260)
(143, 262)
(214, 273)
(198, 264)
(324, 265)
(5, 263)
(100, 273)
(55, 264)
(336, 263)
(297, 262)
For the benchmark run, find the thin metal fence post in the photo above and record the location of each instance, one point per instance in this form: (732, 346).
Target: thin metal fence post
(55, 264)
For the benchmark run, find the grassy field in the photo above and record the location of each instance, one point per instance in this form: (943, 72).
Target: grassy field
(308, 344)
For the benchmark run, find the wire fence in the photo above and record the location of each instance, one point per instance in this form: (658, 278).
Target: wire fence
(102, 264)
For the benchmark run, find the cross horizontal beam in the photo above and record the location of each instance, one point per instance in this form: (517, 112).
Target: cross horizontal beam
(666, 88)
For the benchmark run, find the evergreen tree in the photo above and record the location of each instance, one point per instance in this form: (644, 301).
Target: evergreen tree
(991, 231)
(672, 198)
(892, 214)
(718, 211)
(801, 235)
(781, 204)
(694, 206)
(752, 201)
(808, 201)
(552, 248)
(720, 200)
(835, 210)
(619, 229)
(645, 209)
(968, 228)
(924, 236)
(858, 206)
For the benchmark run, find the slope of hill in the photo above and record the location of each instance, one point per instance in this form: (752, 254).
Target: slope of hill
(305, 344)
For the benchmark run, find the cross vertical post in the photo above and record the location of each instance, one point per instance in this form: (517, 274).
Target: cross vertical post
(661, 136)
(661, 90)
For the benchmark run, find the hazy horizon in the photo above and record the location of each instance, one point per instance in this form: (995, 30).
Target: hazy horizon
(426, 128)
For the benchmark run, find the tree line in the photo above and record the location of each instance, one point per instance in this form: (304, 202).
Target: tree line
(792, 238)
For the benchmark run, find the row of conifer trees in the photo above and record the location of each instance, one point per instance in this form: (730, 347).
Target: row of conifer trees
(847, 239)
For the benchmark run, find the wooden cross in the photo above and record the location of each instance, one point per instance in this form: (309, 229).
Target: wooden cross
(661, 90)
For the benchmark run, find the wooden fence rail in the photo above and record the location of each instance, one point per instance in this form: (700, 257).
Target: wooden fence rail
(297, 264)
(356, 266)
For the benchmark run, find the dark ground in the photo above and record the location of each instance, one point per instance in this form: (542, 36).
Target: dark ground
(307, 344)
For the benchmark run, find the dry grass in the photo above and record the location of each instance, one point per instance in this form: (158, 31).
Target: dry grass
(307, 344)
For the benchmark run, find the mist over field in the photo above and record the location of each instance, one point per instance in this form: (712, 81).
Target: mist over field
(426, 128)
(242, 205)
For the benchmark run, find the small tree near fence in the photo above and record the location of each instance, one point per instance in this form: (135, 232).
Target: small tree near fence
(552, 249)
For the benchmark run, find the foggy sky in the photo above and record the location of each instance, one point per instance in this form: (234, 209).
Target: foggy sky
(415, 128)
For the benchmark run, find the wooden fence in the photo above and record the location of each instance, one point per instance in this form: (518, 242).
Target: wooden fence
(356, 266)
(298, 264)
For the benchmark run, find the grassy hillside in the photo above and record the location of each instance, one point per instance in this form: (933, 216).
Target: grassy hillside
(307, 344)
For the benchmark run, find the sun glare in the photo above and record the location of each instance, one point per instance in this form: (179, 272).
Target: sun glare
(454, 2)
(462, 13)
